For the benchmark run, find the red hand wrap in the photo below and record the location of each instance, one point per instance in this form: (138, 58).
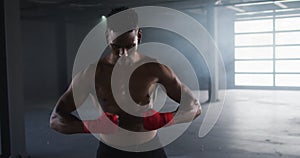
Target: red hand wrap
(107, 123)
(157, 120)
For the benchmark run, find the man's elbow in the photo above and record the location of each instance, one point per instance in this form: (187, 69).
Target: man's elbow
(55, 125)
(184, 116)
(199, 111)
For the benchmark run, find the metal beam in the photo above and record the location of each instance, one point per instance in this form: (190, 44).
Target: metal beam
(243, 2)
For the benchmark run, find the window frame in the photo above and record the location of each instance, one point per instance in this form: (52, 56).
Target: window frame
(274, 45)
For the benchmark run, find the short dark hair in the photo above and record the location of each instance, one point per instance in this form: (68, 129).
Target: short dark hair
(126, 21)
(117, 10)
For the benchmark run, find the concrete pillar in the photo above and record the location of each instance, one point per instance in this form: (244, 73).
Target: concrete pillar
(14, 76)
(61, 54)
(214, 74)
(4, 121)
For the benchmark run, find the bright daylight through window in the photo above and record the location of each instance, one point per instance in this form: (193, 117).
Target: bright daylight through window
(267, 49)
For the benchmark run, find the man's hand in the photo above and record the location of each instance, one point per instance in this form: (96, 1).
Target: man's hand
(154, 120)
(107, 123)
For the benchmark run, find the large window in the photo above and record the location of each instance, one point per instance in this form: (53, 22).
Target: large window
(267, 51)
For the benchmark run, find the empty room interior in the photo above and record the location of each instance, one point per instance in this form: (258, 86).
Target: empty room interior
(223, 77)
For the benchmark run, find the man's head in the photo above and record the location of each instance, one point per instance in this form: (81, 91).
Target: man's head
(123, 33)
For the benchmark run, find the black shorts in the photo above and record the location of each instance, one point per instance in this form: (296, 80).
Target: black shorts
(106, 151)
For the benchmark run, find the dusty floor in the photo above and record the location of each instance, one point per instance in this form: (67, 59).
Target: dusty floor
(253, 123)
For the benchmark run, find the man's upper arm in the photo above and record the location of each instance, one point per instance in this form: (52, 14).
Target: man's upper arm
(170, 81)
(77, 92)
(190, 107)
(175, 89)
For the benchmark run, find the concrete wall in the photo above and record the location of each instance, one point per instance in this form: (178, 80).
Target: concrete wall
(41, 58)
(76, 32)
(40, 61)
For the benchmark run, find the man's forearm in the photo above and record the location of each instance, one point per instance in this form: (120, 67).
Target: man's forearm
(66, 124)
(187, 113)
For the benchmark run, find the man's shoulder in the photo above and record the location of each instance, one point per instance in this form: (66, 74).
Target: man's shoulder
(154, 65)
(86, 72)
(150, 61)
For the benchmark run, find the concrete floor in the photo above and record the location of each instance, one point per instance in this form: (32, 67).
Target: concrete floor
(253, 123)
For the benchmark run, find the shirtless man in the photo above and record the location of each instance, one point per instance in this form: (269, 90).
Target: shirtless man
(116, 125)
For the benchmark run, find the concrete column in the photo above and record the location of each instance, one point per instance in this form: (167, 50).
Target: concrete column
(4, 121)
(61, 54)
(213, 60)
(14, 77)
